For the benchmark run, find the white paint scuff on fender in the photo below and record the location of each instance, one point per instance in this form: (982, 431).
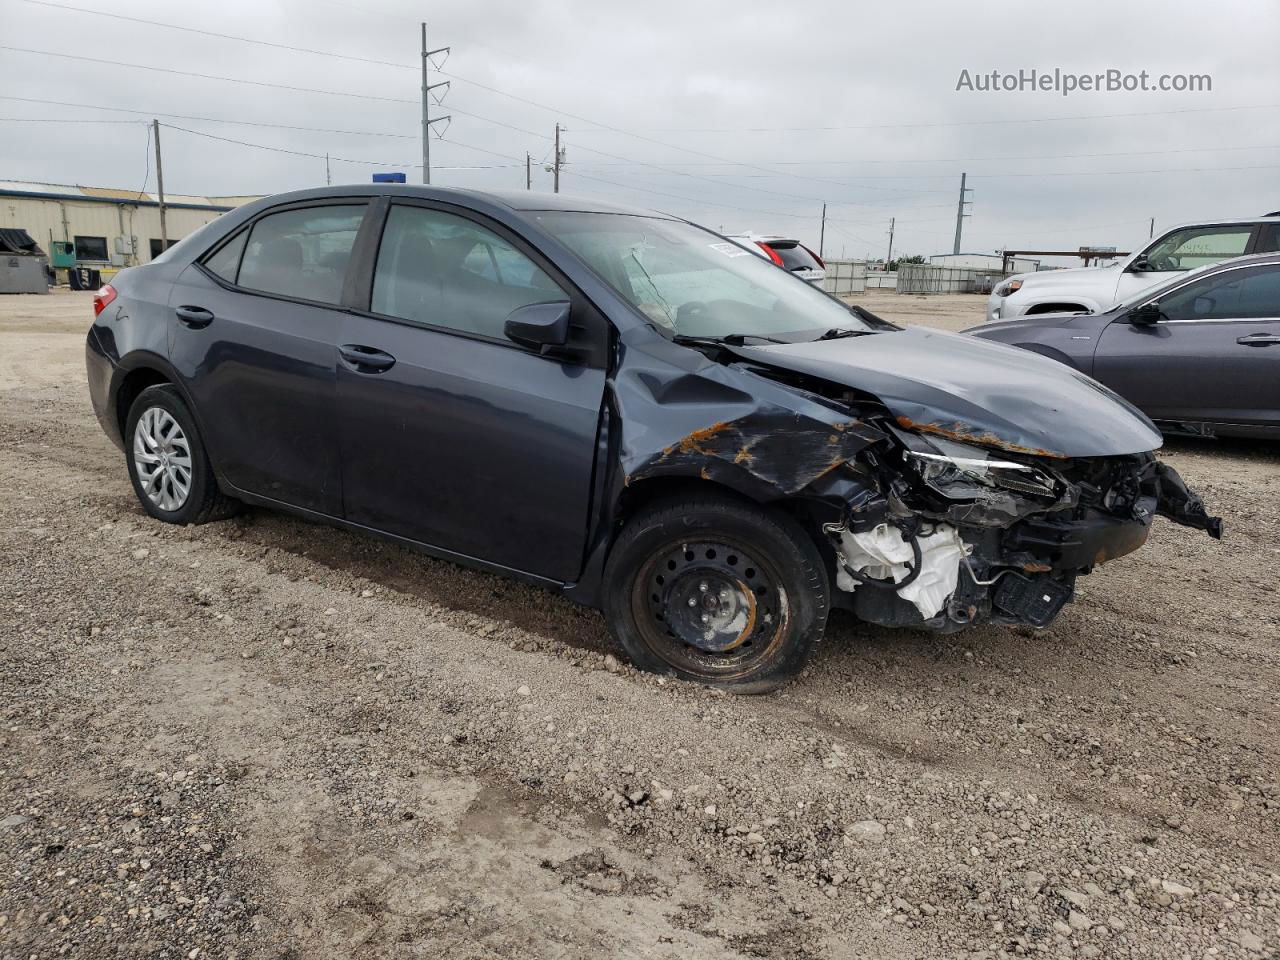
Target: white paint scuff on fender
(882, 552)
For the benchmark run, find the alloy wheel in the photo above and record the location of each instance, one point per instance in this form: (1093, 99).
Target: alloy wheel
(162, 458)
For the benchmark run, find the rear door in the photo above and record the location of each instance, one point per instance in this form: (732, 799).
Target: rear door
(253, 334)
(453, 435)
(1215, 358)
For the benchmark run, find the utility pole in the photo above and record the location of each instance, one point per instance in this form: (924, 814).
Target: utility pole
(528, 172)
(960, 214)
(327, 178)
(889, 257)
(822, 232)
(164, 230)
(556, 167)
(427, 87)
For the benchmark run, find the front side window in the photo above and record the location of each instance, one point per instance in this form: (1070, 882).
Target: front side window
(301, 253)
(1250, 293)
(1198, 247)
(91, 248)
(690, 282)
(447, 271)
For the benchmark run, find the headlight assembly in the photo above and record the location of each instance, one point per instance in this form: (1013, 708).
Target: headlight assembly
(959, 471)
(1008, 287)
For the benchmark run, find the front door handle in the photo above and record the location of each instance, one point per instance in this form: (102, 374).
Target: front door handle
(364, 359)
(1259, 339)
(194, 317)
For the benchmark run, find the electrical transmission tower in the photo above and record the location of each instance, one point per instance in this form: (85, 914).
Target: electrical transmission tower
(427, 97)
(960, 211)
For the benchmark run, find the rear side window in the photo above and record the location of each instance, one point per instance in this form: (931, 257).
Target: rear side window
(226, 261)
(794, 256)
(1269, 238)
(447, 271)
(301, 253)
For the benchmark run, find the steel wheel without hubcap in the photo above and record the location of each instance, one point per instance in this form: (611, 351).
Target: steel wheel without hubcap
(710, 608)
(162, 458)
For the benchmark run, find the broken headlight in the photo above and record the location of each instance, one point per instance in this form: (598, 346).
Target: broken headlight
(959, 471)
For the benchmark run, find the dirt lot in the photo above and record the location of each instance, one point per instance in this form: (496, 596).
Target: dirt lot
(265, 739)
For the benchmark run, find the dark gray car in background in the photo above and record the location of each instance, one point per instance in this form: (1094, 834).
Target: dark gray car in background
(624, 407)
(1198, 354)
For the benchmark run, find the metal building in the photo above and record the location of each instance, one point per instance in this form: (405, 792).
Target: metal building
(101, 227)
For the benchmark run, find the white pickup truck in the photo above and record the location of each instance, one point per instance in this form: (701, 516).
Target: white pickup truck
(1091, 289)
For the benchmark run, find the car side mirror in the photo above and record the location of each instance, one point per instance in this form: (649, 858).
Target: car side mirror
(1141, 265)
(1147, 315)
(539, 326)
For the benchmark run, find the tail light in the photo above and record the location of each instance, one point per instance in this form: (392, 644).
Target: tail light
(815, 256)
(773, 254)
(102, 299)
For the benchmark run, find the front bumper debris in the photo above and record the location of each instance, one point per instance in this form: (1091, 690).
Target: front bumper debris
(912, 559)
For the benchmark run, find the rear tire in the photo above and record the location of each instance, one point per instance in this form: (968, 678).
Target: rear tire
(168, 465)
(718, 591)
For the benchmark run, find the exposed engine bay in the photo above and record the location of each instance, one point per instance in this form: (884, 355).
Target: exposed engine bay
(929, 521)
(948, 534)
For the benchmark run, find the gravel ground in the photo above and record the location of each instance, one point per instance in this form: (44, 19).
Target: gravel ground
(266, 739)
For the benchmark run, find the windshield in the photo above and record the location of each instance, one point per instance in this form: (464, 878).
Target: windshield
(691, 282)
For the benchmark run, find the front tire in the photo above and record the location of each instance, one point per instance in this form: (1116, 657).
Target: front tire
(717, 591)
(168, 465)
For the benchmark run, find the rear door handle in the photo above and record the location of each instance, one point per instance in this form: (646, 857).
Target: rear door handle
(364, 359)
(1259, 339)
(195, 317)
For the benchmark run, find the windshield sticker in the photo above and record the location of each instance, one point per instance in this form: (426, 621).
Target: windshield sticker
(729, 249)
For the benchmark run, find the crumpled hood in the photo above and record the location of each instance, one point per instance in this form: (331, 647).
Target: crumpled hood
(974, 390)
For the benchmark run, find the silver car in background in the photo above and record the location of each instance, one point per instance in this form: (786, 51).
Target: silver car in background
(1094, 289)
(791, 255)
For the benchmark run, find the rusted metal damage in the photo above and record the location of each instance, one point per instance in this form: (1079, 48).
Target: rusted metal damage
(963, 433)
(781, 450)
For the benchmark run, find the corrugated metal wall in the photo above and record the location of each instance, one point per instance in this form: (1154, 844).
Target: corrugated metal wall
(48, 220)
(845, 277)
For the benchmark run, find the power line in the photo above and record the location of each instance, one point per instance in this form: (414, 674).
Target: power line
(970, 123)
(185, 116)
(1043, 156)
(316, 156)
(220, 36)
(56, 120)
(207, 76)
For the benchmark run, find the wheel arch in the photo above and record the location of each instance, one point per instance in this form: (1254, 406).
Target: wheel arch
(140, 370)
(1063, 305)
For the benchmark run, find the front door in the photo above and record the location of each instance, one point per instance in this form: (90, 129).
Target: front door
(253, 331)
(451, 434)
(1180, 251)
(1213, 357)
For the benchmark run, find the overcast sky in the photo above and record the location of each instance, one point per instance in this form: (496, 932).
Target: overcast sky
(742, 115)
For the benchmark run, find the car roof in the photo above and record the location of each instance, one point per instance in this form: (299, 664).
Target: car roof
(518, 200)
(1226, 222)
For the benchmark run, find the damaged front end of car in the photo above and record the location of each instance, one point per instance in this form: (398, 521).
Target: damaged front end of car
(948, 534)
(928, 522)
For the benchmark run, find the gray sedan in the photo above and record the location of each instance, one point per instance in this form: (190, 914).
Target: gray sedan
(1199, 354)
